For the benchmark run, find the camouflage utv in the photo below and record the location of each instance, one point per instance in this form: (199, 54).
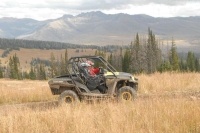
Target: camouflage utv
(78, 85)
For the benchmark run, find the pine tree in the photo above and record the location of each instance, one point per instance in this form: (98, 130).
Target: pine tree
(100, 53)
(153, 53)
(190, 61)
(174, 59)
(115, 60)
(110, 58)
(1, 72)
(126, 61)
(14, 65)
(62, 65)
(197, 65)
(119, 60)
(53, 70)
(32, 74)
(136, 53)
(66, 61)
(145, 54)
(183, 65)
(165, 66)
(26, 75)
(11, 68)
(42, 74)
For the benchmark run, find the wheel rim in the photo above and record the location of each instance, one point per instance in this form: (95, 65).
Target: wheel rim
(126, 96)
(69, 99)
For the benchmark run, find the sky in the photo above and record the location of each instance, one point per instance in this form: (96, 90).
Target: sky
(51, 9)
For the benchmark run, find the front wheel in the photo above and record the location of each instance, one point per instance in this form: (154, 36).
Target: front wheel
(68, 97)
(126, 93)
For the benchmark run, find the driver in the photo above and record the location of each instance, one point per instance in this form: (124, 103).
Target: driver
(92, 71)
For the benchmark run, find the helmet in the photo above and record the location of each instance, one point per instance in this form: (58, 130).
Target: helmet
(83, 64)
(89, 62)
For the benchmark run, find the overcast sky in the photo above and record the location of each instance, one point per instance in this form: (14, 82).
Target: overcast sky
(50, 9)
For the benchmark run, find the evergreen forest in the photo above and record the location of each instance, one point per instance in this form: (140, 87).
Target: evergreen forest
(143, 55)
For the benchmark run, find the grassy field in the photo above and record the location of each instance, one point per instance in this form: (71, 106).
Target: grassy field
(14, 91)
(168, 102)
(26, 55)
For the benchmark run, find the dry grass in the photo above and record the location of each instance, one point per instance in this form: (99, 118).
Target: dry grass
(169, 82)
(14, 91)
(153, 115)
(144, 115)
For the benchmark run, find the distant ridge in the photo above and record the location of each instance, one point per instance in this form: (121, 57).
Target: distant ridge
(97, 28)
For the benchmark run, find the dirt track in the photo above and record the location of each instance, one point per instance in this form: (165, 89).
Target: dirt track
(195, 96)
(31, 105)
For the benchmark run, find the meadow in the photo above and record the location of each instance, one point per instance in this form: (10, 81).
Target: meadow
(26, 55)
(167, 102)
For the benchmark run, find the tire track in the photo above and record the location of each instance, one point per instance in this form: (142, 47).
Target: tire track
(31, 105)
(194, 95)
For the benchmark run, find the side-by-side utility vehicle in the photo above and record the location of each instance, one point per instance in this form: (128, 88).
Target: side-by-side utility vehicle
(79, 85)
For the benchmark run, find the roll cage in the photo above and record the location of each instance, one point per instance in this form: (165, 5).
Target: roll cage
(74, 63)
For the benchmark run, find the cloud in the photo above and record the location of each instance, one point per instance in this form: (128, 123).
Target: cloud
(190, 9)
(45, 9)
(88, 4)
(111, 4)
(160, 10)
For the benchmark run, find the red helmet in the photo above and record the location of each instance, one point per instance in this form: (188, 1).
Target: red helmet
(89, 62)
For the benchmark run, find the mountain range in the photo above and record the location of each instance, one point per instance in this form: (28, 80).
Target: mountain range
(102, 29)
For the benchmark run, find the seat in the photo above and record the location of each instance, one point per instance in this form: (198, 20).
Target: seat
(92, 82)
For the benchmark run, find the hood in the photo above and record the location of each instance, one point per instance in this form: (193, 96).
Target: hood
(122, 75)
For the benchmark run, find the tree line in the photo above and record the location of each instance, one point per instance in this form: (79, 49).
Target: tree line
(15, 44)
(39, 69)
(143, 55)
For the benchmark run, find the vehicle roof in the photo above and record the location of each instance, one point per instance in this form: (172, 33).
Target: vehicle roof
(74, 59)
(86, 57)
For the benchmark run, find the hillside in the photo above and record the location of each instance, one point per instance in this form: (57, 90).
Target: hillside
(26, 55)
(99, 28)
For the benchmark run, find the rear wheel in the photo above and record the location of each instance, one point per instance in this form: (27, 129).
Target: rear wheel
(126, 93)
(68, 97)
